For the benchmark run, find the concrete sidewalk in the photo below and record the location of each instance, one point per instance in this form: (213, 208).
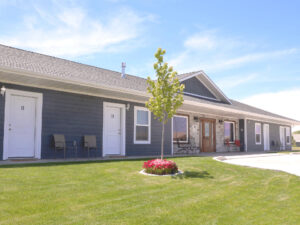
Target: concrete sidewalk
(289, 163)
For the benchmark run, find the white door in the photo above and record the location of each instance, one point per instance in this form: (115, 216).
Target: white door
(282, 138)
(112, 131)
(21, 126)
(266, 137)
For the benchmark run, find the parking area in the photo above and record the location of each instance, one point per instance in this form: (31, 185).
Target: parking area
(289, 163)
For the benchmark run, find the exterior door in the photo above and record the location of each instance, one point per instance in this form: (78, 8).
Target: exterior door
(266, 137)
(208, 135)
(282, 139)
(112, 130)
(21, 126)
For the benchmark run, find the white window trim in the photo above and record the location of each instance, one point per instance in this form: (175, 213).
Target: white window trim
(226, 121)
(258, 143)
(187, 129)
(288, 129)
(136, 108)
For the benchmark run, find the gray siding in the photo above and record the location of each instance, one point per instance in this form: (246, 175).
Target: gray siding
(274, 136)
(76, 115)
(194, 86)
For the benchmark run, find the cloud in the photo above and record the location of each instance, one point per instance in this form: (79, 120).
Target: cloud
(211, 52)
(200, 42)
(71, 31)
(285, 103)
(234, 81)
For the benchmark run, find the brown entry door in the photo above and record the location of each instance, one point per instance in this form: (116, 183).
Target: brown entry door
(208, 135)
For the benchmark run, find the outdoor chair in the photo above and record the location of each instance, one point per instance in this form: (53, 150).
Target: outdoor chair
(89, 142)
(59, 143)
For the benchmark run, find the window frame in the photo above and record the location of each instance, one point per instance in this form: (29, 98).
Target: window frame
(136, 108)
(257, 143)
(187, 128)
(288, 129)
(234, 127)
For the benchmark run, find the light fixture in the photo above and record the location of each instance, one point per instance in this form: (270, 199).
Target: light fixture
(127, 106)
(3, 89)
(221, 121)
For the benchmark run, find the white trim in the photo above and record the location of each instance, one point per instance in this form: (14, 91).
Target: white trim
(234, 127)
(286, 131)
(187, 128)
(257, 143)
(38, 120)
(136, 108)
(123, 126)
(282, 137)
(245, 135)
(201, 96)
(264, 132)
(191, 76)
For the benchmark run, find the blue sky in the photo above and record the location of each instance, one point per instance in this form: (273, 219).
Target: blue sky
(250, 49)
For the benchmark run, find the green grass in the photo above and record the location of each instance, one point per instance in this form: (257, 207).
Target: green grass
(114, 192)
(296, 148)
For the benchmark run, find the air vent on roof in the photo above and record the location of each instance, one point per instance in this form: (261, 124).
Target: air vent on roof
(123, 69)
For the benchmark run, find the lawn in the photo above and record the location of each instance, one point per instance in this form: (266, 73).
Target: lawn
(114, 192)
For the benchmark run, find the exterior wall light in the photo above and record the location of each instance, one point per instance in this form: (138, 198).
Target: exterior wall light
(127, 106)
(2, 91)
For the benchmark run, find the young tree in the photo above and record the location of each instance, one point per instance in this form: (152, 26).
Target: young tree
(166, 93)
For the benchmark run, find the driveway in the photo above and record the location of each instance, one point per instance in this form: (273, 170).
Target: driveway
(289, 163)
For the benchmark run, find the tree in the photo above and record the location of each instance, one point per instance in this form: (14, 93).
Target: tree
(166, 93)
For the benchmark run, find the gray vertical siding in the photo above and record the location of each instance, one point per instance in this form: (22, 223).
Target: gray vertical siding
(274, 136)
(194, 86)
(76, 115)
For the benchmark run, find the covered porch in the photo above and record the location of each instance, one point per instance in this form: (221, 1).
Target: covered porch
(195, 133)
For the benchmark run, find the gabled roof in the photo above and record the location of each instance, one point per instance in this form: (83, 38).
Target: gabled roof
(20, 66)
(202, 76)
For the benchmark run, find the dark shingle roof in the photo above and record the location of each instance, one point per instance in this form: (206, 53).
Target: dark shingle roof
(60, 68)
(53, 67)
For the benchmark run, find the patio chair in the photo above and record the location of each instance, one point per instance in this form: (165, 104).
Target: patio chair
(89, 142)
(59, 143)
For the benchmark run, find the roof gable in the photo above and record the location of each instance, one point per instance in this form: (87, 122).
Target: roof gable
(203, 88)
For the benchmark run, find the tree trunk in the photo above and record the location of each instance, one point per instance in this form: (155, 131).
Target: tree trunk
(162, 140)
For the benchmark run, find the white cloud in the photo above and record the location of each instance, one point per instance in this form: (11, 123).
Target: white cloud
(73, 32)
(285, 103)
(234, 81)
(200, 42)
(211, 52)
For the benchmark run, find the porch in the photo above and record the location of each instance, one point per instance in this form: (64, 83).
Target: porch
(197, 134)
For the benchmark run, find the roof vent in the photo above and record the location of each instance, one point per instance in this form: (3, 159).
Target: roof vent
(123, 69)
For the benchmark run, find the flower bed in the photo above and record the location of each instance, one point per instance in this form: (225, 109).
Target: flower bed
(160, 167)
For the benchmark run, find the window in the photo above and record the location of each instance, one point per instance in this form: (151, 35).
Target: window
(180, 129)
(229, 131)
(257, 133)
(142, 125)
(288, 135)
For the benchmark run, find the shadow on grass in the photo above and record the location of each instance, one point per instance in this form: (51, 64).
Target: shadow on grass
(194, 174)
